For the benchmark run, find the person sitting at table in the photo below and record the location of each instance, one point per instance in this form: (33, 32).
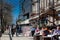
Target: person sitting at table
(57, 31)
(37, 31)
(46, 32)
(33, 30)
(41, 31)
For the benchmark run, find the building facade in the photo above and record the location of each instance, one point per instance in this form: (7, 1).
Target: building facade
(47, 14)
(41, 12)
(26, 11)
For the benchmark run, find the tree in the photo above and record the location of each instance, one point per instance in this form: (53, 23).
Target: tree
(6, 14)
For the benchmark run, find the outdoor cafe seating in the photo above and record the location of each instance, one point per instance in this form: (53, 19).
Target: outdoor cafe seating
(40, 37)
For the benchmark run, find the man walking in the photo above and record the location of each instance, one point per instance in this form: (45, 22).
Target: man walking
(32, 31)
(12, 31)
(17, 29)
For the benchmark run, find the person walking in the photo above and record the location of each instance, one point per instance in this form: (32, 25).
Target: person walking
(56, 33)
(37, 31)
(12, 30)
(17, 29)
(32, 31)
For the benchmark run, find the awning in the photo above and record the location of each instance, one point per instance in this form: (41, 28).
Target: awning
(25, 22)
(34, 17)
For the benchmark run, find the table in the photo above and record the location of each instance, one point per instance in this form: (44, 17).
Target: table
(46, 38)
(56, 37)
(37, 37)
(40, 37)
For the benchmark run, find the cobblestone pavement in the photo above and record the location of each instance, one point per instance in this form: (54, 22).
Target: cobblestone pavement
(6, 37)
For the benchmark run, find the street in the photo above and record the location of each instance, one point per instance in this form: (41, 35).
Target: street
(6, 37)
(29, 19)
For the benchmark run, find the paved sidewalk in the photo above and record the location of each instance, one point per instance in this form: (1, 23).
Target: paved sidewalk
(22, 38)
(6, 37)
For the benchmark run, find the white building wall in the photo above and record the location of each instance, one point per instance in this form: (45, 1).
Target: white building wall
(50, 19)
(35, 7)
(45, 4)
(59, 22)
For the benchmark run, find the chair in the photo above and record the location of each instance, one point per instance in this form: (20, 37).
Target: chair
(46, 38)
(56, 37)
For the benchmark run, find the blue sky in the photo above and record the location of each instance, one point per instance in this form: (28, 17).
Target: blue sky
(16, 8)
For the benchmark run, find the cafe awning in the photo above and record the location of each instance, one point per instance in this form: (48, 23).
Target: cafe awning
(34, 17)
(25, 22)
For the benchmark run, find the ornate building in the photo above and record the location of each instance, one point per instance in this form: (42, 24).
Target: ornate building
(26, 10)
(46, 12)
